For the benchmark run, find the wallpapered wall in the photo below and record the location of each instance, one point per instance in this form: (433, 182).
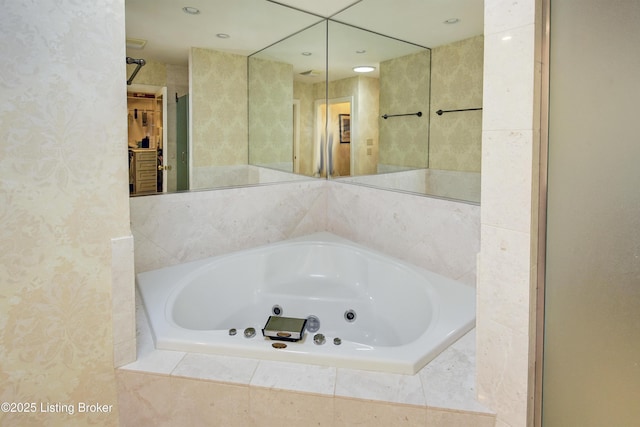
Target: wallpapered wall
(218, 108)
(152, 73)
(404, 88)
(304, 92)
(63, 197)
(270, 112)
(456, 83)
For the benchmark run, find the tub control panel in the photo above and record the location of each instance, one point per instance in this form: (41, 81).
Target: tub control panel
(284, 328)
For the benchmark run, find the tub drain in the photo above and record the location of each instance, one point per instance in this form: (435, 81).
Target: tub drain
(276, 310)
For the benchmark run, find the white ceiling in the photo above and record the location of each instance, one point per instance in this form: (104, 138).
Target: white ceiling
(255, 24)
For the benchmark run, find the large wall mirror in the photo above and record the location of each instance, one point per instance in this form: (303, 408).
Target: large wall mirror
(298, 106)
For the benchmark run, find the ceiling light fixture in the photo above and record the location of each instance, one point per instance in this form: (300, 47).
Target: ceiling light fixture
(452, 21)
(361, 51)
(363, 69)
(306, 54)
(223, 36)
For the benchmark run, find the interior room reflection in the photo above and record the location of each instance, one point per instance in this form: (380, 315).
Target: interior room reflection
(329, 100)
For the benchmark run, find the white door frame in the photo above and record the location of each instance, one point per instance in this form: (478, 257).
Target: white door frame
(163, 92)
(296, 136)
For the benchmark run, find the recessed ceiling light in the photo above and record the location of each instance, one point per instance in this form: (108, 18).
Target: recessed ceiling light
(361, 51)
(363, 69)
(306, 53)
(223, 36)
(191, 10)
(452, 21)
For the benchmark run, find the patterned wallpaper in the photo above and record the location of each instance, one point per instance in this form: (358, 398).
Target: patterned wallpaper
(404, 88)
(63, 197)
(456, 83)
(304, 92)
(218, 108)
(270, 112)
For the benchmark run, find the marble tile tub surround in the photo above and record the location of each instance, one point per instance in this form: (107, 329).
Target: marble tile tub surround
(177, 386)
(439, 235)
(174, 228)
(507, 276)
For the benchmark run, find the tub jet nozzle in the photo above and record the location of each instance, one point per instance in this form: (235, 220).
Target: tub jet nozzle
(350, 316)
(319, 339)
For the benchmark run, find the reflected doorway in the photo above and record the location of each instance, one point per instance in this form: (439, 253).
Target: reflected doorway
(147, 133)
(336, 152)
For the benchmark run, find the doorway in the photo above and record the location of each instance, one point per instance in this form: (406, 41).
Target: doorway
(339, 135)
(590, 370)
(147, 133)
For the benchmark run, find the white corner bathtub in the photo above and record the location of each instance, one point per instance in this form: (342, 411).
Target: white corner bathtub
(404, 315)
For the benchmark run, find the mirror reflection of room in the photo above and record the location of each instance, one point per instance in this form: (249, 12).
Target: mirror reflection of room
(260, 116)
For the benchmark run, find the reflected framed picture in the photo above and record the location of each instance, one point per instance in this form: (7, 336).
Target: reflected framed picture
(345, 128)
